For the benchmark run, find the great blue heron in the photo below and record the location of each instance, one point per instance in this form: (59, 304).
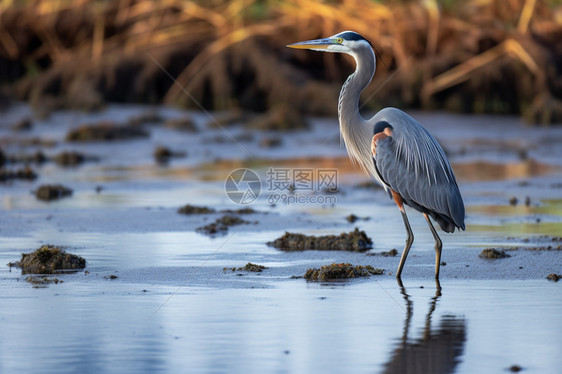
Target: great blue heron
(393, 147)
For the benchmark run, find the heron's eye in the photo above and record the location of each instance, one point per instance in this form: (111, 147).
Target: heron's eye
(339, 40)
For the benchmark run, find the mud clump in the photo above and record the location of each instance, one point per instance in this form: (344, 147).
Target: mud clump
(355, 241)
(554, 277)
(249, 267)
(392, 253)
(492, 253)
(42, 281)
(49, 192)
(228, 220)
(221, 225)
(192, 209)
(49, 260)
(352, 218)
(163, 154)
(72, 158)
(105, 131)
(545, 248)
(341, 271)
(25, 173)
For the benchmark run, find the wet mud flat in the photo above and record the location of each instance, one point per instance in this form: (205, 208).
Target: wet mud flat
(152, 279)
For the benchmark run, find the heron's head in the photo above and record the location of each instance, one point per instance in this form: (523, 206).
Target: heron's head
(344, 42)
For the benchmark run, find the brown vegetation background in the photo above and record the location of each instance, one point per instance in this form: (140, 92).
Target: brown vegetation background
(473, 56)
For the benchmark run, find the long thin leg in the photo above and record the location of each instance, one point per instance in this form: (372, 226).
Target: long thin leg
(410, 239)
(438, 246)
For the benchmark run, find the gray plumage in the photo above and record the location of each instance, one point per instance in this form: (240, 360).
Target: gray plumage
(412, 163)
(409, 162)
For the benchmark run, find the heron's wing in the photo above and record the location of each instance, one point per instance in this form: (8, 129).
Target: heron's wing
(415, 166)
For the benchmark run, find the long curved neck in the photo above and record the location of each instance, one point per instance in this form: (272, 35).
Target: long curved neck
(348, 105)
(355, 130)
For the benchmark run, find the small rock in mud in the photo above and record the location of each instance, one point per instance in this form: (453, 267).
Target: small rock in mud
(25, 173)
(163, 154)
(23, 124)
(341, 271)
(105, 131)
(48, 260)
(356, 241)
(279, 118)
(554, 277)
(221, 225)
(72, 158)
(52, 191)
(249, 267)
(35, 280)
(192, 209)
(182, 124)
(392, 253)
(492, 253)
(352, 218)
(513, 201)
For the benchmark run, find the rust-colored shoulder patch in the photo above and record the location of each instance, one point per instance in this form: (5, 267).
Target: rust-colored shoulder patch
(379, 136)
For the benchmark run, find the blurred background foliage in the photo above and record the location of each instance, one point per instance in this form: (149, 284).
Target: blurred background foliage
(472, 56)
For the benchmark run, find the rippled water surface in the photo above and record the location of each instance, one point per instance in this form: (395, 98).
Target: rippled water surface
(172, 307)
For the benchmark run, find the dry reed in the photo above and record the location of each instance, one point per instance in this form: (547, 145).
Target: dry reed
(476, 55)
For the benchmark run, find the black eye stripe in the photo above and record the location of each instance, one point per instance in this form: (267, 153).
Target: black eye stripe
(352, 36)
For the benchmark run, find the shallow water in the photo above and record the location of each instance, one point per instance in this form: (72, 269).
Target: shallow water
(173, 308)
(474, 326)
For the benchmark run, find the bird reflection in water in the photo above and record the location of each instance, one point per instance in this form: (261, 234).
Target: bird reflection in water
(437, 351)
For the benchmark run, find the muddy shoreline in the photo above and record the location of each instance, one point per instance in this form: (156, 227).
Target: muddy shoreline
(153, 280)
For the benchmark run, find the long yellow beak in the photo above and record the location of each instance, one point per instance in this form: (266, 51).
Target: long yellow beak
(317, 44)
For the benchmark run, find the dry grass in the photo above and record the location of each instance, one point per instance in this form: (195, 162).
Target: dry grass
(474, 55)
